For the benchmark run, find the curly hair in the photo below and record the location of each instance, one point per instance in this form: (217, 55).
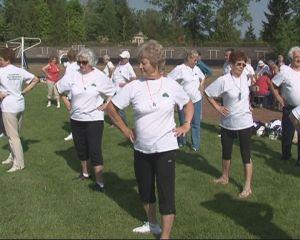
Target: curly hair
(237, 56)
(154, 52)
(292, 50)
(89, 55)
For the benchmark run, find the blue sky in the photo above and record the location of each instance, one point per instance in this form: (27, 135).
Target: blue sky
(256, 9)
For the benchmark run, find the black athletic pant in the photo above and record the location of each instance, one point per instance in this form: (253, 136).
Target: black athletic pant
(87, 137)
(159, 167)
(288, 131)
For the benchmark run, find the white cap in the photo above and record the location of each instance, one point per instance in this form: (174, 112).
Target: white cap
(125, 54)
(261, 63)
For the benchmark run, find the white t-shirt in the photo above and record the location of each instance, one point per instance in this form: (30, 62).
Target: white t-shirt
(11, 82)
(249, 71)
(88, 92)
(71, 67)
(153, 104)
(296, 112)
(108, 67)
(122, 74)
(190, 79)
(289, 81)
(226, 68)
(235, 95)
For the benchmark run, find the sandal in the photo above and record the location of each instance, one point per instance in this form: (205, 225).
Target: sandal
(221, 180)
(245, 193)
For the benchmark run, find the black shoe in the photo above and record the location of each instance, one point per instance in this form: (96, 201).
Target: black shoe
(98, 188)
(297, 164)
(81, 177)
(285, 158)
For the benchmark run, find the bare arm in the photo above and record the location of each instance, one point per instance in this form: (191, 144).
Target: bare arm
(66, 101)
(31, 85)
(112, 112)
(188, 113)
(220, 109)
(275, 92)
(44, 70)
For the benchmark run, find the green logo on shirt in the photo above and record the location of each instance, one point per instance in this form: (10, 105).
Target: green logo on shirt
(165, 95)
(93, 85)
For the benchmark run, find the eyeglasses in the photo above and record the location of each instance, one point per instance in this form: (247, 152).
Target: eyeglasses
(82, 62)
(240, 64)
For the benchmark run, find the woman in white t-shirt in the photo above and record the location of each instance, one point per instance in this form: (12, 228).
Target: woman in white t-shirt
(191, 79)
(236, 117)
(109, 66)
(88, 87)
(153, 99)
(13, 104)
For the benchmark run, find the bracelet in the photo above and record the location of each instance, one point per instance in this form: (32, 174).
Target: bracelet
(189, 122)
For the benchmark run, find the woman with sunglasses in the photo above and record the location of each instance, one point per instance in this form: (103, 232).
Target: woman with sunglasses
(153, 98)
(236, 117)
(89, 88)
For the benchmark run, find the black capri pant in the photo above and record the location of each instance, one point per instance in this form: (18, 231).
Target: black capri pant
(159, 166)
(87, 137)
(244, 136)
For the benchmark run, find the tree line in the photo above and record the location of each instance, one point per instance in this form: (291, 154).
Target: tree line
(173, 22)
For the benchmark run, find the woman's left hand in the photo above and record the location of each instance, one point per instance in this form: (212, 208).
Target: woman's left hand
(102, 106)
(182, 130)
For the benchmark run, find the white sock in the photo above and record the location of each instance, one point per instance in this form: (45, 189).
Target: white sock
(101, 184)
(85, 174)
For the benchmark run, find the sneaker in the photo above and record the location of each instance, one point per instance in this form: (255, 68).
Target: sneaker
(69, 137)
(81, 177)
(58, 105)
(9, 160)
(147, 228)
(48, 104)
(98, 188)
(194, 149)
(14, 169)
(2, 135)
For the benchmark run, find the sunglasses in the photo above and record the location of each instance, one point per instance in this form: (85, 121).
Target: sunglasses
(240, 64)
(82, 62)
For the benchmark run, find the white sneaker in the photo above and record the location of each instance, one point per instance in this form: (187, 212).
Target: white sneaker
(14, 168)
(69, 137)
(147, 228)
(58, 105)
(49, 104)
(9, 160)
(2, 135)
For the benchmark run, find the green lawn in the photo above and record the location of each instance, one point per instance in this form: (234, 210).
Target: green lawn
(43, 200)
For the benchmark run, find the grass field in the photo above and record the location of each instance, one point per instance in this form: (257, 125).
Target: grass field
(43, 200)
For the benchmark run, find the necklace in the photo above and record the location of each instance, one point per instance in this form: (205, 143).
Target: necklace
(84, 87)
(151, 95)
(239, 88)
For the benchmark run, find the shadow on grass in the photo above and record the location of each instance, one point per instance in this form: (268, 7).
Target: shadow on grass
(272, 158)
(210, 127)
(69, 155)
(67, 127)
(25, 144)
(122, 192)
(254, 217)
(200, 163)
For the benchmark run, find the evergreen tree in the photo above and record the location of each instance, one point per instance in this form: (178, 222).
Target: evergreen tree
(249, 34)
(279, 10)
(283, 40)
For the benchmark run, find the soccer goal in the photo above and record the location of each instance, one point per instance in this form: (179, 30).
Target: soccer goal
(18, 44)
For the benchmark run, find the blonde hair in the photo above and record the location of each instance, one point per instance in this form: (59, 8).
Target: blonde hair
(191, 54)
(154, 52)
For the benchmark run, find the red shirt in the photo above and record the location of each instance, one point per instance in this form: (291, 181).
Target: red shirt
(263, 82)
(53, 72)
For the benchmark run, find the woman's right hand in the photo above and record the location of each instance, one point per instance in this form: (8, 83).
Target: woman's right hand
(223, 111)
(129, 134)
(3, 95)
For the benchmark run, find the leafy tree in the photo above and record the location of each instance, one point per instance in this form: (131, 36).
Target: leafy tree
(283, 41)
(109, 22)
(279, 10)
(249, 34)
(74, 25)
(230, 14)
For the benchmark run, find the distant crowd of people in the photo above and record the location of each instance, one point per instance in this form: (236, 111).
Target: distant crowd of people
(89, 93)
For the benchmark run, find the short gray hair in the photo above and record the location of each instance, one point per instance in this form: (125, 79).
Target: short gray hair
(292, 50)
(89, 55)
